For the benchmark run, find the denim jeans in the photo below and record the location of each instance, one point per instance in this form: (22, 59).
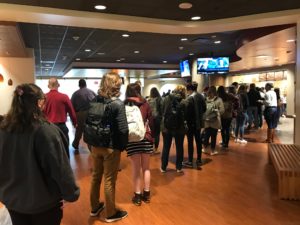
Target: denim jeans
(240, 125)
(167, 138)
(193, 132)
(106, 163)
(270, 117)
(252, 116)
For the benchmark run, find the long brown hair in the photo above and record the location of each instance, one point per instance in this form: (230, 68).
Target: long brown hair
(25, 111)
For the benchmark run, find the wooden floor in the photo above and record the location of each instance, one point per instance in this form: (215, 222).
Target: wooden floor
(237, 187)
(233, 188)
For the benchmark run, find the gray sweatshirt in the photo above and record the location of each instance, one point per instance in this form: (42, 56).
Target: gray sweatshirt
(35, 173)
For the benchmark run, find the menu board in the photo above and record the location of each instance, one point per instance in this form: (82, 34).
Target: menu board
(270, 76)
(279, 75)
(262, 77)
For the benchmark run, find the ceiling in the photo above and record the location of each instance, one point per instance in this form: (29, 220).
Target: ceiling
(168, 9)
(59, 47)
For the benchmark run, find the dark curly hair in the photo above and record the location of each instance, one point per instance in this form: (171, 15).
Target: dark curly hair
(25, 111)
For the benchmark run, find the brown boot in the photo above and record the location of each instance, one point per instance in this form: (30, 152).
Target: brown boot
(269, 132)
(272, 135)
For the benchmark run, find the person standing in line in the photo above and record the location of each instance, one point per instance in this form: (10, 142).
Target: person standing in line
(232, 92)
(260, 107)
(226, 117)
(212, 119)
(81, 100)
(270, 103)
(139, 152)
(279, 108)
(195, 107)
(57, 107)
(173, 125)
(35, 174)
(106, 160)
(241, 115)
(155, 103)
(252, 110)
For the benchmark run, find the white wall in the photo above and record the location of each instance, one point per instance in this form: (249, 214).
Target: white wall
(162, 84)
(20, 70)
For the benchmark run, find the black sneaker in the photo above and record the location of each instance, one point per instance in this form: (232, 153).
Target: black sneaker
(118, 216)
(97, 211)
(187, 164)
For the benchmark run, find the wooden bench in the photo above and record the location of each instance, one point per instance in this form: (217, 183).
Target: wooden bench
(286, 160)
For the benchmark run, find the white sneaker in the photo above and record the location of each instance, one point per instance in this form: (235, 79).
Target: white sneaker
(243, 141)
(214, 153)
(204, 151)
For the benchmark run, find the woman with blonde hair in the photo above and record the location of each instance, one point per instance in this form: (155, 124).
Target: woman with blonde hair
(106, 160)
(173, 125)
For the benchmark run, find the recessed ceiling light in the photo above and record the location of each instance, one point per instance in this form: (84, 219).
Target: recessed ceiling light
(75, 38)
(47, 65)
(191, 54)
(183, 39)
(77, 59)
(118, 60)
(290, 40)
(100, 7)
(87, 50)
(180, 48)
(196, 18)
(217, 42)
(261, 56)
(47, 69)
(136, 52)
(165, 61)
(100, 53)
(122, 59)
(125, 35)
(213, 36)
(185, 5)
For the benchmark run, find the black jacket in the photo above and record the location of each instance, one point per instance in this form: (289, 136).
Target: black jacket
(195, 108)
(182, 113)
(35, 173)
(119, 126)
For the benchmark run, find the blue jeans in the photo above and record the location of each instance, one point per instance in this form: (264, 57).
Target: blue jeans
(271, 117)
(167, 138)
(252, 116)
(240, 125)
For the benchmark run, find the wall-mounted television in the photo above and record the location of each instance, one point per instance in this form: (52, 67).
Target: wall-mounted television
(213, 65)
(185, 68)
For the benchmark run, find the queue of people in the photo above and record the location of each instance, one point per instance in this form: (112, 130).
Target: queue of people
(36, 187)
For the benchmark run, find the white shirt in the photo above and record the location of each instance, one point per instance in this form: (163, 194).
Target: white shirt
(270, 99)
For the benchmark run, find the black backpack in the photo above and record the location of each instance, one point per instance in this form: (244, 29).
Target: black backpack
(97, 130)
(172, 116)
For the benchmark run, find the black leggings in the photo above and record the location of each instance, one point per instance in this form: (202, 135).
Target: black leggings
(50, 217)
